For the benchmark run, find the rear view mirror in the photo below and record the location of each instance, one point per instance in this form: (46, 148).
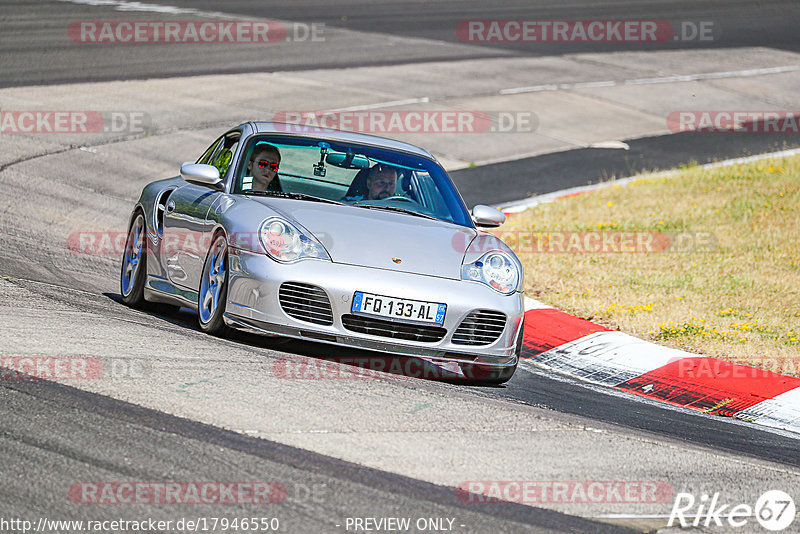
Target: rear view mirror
(487, 216)
(199, 173)
(347, 161)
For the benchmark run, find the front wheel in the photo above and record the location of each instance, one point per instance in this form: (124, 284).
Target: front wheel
(213, 291)
(134, 264)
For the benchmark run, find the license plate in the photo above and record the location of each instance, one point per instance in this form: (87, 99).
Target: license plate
(401, 309)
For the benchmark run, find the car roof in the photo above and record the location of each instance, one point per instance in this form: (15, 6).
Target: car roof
(327, 134)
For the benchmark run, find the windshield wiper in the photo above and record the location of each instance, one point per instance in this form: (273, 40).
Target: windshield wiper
(295, 196)
(395, 208)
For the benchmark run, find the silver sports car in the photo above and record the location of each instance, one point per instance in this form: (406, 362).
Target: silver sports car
(333, 237)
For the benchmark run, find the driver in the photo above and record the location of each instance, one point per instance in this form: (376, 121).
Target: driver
(381, 182)
(263, 167)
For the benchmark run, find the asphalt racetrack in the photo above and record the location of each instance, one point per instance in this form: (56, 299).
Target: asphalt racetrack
(184, 406)
(417, 31)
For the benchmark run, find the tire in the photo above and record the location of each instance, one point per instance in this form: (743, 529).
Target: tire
(213, 292)
(133, 270)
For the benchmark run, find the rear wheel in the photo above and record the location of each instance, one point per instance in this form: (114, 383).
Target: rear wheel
(213, 291)
(134, 264)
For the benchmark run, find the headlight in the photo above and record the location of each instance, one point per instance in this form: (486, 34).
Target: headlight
(285, 243)
(496, 270)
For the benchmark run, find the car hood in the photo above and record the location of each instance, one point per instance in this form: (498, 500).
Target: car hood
(381, 239)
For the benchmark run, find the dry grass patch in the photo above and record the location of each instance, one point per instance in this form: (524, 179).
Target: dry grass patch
(715, 266)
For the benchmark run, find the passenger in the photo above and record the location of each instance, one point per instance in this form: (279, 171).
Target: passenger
(263, 167)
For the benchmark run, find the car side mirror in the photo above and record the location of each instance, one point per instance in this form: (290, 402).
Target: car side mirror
(199, 173)
(487, 216)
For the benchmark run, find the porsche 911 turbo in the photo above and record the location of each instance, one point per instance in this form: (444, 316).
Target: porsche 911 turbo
(332, 237)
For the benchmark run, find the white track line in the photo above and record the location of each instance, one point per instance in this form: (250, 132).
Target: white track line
(649, 81)
(379, 105)
(517, 206)
(122, 5)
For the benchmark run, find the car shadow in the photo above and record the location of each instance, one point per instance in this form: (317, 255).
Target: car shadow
(310, 360)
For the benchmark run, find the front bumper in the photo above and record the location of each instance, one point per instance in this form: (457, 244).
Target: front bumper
(253, 305)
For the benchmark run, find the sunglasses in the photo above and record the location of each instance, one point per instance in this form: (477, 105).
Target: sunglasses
(263, 164)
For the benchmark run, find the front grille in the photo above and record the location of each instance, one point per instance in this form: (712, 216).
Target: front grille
(379, 327)
(306, 302)
(480, 327)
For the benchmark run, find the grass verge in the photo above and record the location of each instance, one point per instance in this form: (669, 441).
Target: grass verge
(703, 260)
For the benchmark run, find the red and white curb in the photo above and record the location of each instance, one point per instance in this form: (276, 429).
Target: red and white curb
(579, 348)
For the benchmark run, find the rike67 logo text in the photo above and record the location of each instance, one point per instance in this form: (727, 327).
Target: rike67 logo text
(774, 510)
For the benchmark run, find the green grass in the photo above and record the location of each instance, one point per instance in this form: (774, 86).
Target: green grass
(736, 296)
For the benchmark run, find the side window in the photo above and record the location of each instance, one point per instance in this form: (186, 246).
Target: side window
(210, 151)
(220, 153)
(222, 159)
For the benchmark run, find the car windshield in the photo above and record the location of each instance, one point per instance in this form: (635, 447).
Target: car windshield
(370, 177)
